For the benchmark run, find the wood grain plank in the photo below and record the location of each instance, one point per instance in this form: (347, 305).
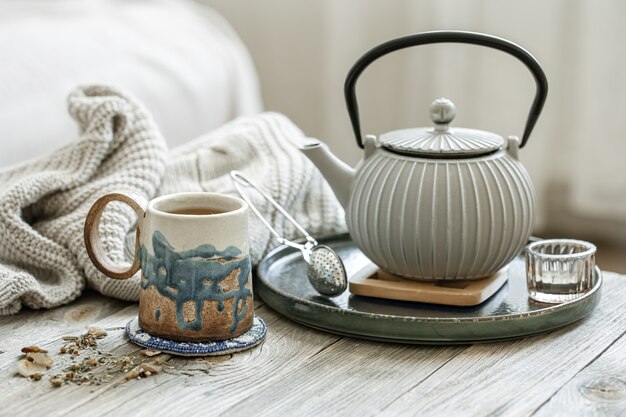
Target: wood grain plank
(598, 390)
(515, 378)
(178, 369)
(30, 327)
(258, 303)
(45, 329)
(210, 385)
(194, 379)
(478, 380)
(351, 377)
(302, 371)
(19, 394)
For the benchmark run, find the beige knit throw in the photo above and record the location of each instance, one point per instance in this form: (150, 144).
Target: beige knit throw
(43, 261)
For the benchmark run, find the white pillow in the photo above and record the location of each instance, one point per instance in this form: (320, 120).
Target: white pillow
(181, 59)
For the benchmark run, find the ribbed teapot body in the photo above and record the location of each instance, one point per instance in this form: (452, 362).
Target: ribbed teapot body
(441, 219)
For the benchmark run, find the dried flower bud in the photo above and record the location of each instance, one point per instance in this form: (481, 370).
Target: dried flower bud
(28, 368)
(96, 332)
(142, 371)
(33, 349)
(90, 362)
(40, 358)
(56, 381)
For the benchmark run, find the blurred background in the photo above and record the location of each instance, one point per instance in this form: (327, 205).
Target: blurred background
(198, 64)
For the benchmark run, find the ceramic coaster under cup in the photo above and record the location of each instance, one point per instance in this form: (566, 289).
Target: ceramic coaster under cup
(251, 338)
(382, 284)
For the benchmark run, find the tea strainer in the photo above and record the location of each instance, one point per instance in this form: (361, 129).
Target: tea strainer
(326, 271)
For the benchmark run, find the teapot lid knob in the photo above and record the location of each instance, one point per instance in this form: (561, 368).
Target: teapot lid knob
(442, 112)
(441, 141)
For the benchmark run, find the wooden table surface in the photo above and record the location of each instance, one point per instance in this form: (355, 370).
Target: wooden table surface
(578, 370)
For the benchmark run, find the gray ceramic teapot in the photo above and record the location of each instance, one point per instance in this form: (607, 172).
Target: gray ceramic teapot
(440, 202)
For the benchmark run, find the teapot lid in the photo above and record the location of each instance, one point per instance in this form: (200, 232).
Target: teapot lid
(442, 141)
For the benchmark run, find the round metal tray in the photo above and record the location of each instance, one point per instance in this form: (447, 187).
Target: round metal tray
(281, 281)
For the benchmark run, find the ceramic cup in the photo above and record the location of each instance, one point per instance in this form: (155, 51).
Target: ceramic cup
(192, 249)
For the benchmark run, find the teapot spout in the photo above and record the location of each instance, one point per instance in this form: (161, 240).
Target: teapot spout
(337, 173)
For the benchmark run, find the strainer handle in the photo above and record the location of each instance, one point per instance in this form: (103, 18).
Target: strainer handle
(239, 180)
(454, 36)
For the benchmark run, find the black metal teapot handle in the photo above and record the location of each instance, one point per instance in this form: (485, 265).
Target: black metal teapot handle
(447, 37)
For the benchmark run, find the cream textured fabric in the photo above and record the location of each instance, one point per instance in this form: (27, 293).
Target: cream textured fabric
(43, 261)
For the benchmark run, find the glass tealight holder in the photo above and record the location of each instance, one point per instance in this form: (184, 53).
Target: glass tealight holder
(559, 270)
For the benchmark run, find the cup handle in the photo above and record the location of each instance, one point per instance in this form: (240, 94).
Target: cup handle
(92, 236)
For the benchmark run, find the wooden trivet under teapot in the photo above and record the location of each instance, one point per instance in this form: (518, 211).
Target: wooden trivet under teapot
(382, 284)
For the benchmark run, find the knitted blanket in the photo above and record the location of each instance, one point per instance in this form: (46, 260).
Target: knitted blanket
(44, 202)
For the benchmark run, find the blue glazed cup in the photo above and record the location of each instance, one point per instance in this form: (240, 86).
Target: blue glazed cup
(193, 255)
